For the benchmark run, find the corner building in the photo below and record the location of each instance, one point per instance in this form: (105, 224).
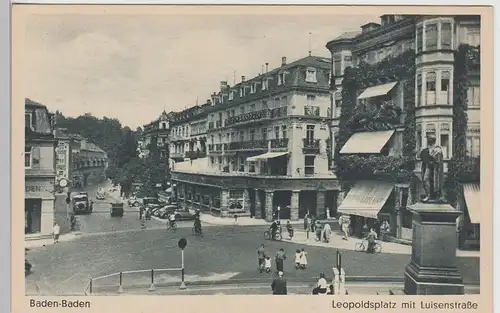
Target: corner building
(266, 141)
(405, 68)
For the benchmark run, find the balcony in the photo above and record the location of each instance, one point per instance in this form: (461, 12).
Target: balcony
(195, 154)
(177, 155)
(311, 110)
(279, 143)
(248, 145)
(255, 116)
(310, 146)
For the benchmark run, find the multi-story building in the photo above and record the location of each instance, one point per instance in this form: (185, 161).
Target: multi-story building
(39, 169)
(67, 148)
(89, 165)
(157, 133)
(266, 141)
(188, 133)
(401, 73)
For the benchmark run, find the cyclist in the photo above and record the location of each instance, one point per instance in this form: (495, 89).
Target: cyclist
(197, 224)
(171, 220)
(371, 238)
(274, 228)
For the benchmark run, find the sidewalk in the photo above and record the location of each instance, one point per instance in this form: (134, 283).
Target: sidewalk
(37, 243)
(243, 221)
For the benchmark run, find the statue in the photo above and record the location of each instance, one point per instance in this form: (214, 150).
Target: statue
(432, 170)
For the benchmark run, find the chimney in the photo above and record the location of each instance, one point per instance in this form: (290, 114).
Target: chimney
(242, 79)
(267, 67)
(283, 61)
(209, 102)
(223, 85)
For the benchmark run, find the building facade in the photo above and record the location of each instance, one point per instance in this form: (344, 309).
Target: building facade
(401, 72)
(67, 148)
(89, 165)
(39, 169)
(266, 143)
(157, 133)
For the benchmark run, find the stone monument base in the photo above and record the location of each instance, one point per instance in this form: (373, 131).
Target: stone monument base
(432, 281)
(432, 269)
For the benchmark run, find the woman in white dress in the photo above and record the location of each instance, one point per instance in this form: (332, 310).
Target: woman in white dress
(303, 259)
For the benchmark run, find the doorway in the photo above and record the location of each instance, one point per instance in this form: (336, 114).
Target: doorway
(32, 216)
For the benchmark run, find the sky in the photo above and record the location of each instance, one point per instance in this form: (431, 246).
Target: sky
(133, 67)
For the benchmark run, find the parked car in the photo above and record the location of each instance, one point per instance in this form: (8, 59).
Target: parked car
(133, 201)
(180, 214)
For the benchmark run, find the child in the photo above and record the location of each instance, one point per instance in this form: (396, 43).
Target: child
(56, 231)
(267, 264)
(298, 255)
(303, 259)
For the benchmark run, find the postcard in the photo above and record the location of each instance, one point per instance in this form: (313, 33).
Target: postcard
(213, 157)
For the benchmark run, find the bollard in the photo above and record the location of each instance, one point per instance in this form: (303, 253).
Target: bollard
(338, 281)
(152, 287)
(183, 285)
(120, 288)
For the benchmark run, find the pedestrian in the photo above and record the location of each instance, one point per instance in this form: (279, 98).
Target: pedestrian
(279, 285)
(318, 231)
(235, 219)
(326, 232)
(322, 286)
(306, 221)
(261, 255)
(327, 213)
(72, 221)
(385, 228)
(313, 223)
(56, 231)
(297, 258)
(280, 259)
(345, 228)
(141, 212)
(303, 259)
(267, 264)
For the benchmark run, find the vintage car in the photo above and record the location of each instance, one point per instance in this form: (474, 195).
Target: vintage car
(116, 209)
(80, 203)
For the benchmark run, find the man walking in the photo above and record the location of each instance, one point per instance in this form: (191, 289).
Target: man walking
(261, 254)
(280, 259)
(57, 231)
(279, 285)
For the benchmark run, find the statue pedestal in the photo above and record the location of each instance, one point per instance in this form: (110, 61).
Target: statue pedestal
(432, 269)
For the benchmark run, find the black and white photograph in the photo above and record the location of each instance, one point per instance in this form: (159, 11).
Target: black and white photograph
(266, 153)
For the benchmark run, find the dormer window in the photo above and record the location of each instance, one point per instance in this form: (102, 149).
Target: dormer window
(28, 120)
(242, 92)
(231, 95)
(311, 75)
(252, 88)
(265, 84)
(281, 78)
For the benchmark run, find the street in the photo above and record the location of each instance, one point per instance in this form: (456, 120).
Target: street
(224, 253)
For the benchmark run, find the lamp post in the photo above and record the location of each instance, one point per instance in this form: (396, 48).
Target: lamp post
(182, 244)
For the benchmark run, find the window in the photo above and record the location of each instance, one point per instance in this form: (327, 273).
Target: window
(61, 159)
(264, 134)
(252, 107)
(311, 75)
(276, 132)
(242, 92)
(473, 37)
(242, 136)
(251, 167)
(232, 136)
(284, 101)
(242, 110)
(233, 112)
(231, 95)
(473, 96)
(28, 120)
(371, 56)
(252, 88)
(284, 131)
(252, 134)
(419, 139)
(242, 164)
(264, 84)
(311, 99)
(445, 145)
(281, 78)
(430, 37)
(446, 36)
(28, 157)
(337, 65)
(338, 104)
(212, 139)
(219, 159)
(309, 165)
(310, 133)
(419, 89)
(420, 38)
(264, 104)
(445, 81)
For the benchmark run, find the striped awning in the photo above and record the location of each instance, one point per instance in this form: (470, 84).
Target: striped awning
(265, 156)
(366, 198)
(367, 142)
(472, 196)
(376, 91)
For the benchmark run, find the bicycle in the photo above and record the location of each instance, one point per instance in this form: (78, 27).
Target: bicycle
(197, 231)
(267, 235)
(361, 247)
(172, 226)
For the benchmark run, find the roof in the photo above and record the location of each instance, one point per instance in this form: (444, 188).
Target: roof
(347, 35)
(30, 103)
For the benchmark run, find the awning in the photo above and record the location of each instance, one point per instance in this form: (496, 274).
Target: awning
(367, 142)
(265, 156)
(366, 198)
(472, 196)
(376, 91)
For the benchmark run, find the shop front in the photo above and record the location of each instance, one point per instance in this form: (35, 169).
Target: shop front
(469, 223)
(38, 207)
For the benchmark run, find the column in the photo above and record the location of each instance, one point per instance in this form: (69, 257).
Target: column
(246, 200)
(269, 205)
(224, 199)
(320, 204)
(431, 270)
(294, 205)
(258, 204)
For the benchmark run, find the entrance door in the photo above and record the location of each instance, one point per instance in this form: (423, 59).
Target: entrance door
(32, 215)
